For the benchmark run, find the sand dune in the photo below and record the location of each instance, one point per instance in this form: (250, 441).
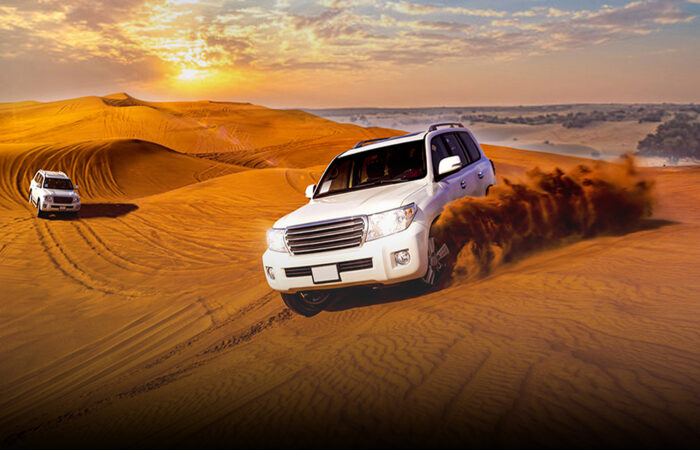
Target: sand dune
(247, 134)
(105, 169)
(154, 325)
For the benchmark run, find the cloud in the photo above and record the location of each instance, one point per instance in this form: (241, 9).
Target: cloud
(418, 9)
(335, 35)
(414, 9)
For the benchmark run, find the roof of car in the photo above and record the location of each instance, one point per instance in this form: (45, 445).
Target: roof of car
(387, 141)
(49, 173)
(382, 142)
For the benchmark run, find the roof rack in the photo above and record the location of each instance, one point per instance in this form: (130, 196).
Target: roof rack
(435, 126)
(361, 143)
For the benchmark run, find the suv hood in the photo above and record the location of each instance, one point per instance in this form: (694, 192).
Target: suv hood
(357, 203)
(61, 192)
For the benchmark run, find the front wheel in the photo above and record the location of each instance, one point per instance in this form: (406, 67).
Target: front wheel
(39, 212)
(307, 303)
(437, 252)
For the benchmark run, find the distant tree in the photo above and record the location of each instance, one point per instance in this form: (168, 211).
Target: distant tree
(675, 139)
(579, 120)
(653, 116)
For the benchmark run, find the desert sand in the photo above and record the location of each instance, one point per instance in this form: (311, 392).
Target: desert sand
(148, 319)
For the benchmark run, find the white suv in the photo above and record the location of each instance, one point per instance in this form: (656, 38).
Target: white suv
(53, 192)
(368, 221)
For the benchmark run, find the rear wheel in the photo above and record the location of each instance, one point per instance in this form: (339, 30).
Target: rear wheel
(307, 303)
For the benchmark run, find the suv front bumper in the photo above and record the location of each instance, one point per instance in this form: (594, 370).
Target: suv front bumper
(384, 270)
(50, 206)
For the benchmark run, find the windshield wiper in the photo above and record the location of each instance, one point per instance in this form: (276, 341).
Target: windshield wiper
(380, 182)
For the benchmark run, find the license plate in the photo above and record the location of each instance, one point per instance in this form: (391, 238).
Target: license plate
(62, 207)
(325, 274)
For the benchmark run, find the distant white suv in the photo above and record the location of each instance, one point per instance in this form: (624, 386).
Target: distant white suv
(368, 221)
(53, 192)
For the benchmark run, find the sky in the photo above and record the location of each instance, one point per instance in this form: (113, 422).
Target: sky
(342, 53)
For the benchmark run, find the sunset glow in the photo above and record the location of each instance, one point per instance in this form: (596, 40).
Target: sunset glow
(364, 52)
(190, 74)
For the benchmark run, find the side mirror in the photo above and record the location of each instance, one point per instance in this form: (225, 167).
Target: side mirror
(449, 164)
(76, 187)
(310, 190)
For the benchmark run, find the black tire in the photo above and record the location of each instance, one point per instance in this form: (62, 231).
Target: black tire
(39, 212)
(307, 303)
(437, 256)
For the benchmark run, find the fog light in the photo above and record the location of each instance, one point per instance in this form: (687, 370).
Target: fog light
(402, 257)
(270, 272)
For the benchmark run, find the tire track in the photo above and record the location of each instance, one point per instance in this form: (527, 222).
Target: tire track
(70, 268)
(250, 307)
(160, 381)
(123, 347)
(209, 353)
(100, 248)
(169, 252)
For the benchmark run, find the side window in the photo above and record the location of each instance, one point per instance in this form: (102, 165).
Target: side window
(455, 148)
(338, 177)
(470, 145)
(36, 178)
(41, 181)
(443, 146)
(438, 151)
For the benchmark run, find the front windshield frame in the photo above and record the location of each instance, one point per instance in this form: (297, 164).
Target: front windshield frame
(63, 184)
(415, 147)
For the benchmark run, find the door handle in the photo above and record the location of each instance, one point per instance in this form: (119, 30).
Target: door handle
(463, 184)
(480, 174)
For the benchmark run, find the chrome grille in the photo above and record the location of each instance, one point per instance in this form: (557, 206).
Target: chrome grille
(58, 199)
(326, 236)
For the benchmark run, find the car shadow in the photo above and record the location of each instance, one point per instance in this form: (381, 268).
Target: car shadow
(363, 296)
(94, 210)
(652, 224)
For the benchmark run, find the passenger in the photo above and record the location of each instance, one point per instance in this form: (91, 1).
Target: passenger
(397, 163)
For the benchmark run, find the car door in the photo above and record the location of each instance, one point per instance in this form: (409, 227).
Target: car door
(479, 169)
(452, 182)
(32, 188)
(38, 186)
(466, 185)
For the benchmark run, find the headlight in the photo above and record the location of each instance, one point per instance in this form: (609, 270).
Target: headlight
(390, 222)
(275, 240)
(76, 199)
(48, 198)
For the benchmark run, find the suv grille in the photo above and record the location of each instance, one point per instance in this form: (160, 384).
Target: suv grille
(326, 236)
(62, 199)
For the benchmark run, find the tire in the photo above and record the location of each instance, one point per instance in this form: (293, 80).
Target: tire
(30, 197)
(437, 252)
(307, 303)
(39, 212)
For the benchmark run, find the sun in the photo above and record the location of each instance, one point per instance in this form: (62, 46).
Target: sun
(190, 74)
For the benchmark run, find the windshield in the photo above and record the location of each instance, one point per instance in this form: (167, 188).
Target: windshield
(58, 183)
(385, 165)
